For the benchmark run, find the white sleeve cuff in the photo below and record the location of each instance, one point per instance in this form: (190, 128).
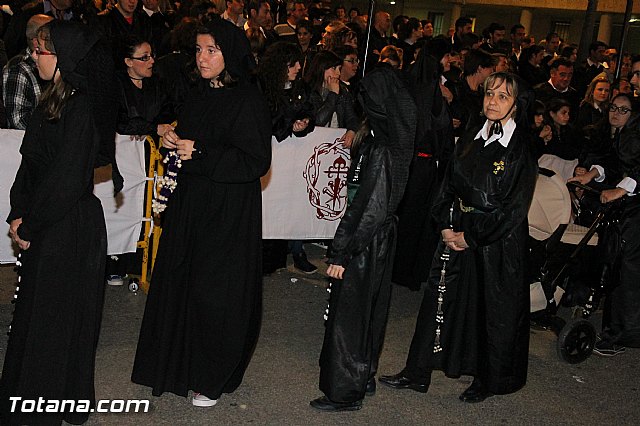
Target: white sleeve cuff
(600, 170)
(628, 185)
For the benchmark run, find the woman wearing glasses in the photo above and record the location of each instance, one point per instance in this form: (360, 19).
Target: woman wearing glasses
(59, 226)
(612, 156)
(144, 108)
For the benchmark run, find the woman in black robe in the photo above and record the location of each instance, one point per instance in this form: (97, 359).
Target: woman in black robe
(612, 155)
(59, 225)
(202, 318)
(362, 251)
(474, 318)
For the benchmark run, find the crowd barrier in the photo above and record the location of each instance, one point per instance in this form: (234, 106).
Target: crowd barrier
(304, 193)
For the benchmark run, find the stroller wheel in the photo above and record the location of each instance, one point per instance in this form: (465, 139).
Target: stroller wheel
(576, 340)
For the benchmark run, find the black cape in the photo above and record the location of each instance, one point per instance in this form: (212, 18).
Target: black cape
(365, 240)
(202, 317)
(54, 333)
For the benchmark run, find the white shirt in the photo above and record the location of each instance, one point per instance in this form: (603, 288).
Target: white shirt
(507, 133)
(148, 11)
(241, 20)
(556, 89)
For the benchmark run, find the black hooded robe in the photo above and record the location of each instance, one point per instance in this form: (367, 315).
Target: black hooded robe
(365, 241)
(485, 332)
(56, 323)
(417, 236)
(202, 317)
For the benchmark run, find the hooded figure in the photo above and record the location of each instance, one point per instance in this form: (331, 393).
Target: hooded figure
(362, 251)
(434, 142)
(59, 225)
(202, 318)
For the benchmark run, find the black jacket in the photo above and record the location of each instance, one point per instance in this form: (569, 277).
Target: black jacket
(342, 104)
(141, 110)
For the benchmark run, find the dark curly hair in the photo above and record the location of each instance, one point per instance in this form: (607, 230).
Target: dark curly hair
(273, 69)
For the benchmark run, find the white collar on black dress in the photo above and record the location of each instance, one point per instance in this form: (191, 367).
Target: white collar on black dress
(507, 132)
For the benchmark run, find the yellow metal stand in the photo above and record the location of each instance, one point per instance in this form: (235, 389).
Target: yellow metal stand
(149, 243)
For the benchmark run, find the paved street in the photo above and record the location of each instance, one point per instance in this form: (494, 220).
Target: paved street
(283, 375)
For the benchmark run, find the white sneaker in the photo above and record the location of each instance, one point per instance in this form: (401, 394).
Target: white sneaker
(115, 280)
(199, 400)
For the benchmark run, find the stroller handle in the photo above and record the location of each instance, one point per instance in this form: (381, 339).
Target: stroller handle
(584, 187)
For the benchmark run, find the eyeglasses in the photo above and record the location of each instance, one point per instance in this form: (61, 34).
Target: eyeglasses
(40, 52)
(353, 61)
(621, 109)
(145, 58)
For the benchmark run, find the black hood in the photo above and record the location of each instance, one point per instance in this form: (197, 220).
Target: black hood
(72, 42)
(235, 47)
(86, 63)
(387, 103)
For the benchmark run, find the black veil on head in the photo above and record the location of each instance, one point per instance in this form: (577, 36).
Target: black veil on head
(86, 63)
(235, 47)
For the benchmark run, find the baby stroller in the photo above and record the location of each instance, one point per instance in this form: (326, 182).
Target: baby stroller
(563, 267)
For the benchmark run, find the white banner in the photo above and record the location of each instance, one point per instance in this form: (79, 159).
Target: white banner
(304, 194)
(123, 214)
(10, 141)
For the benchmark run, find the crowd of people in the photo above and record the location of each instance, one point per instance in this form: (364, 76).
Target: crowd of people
(444, 133)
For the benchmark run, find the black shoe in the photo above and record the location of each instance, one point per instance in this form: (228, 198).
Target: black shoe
(606, 348)
(399, 381)
(301, 263)
(325, 404)
(475, 393)
(371, 387)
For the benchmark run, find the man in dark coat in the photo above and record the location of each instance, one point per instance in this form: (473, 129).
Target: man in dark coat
(467, 93)
(378, 39)
(588, 69)
(559, 85)
(122, 20)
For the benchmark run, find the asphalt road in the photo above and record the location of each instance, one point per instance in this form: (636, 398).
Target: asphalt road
(283, 374)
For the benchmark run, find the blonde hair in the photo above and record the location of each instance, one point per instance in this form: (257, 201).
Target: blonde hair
(588, 96)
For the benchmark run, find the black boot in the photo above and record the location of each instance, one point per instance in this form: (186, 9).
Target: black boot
(475, 393)
(325, 404)
(400, 381)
